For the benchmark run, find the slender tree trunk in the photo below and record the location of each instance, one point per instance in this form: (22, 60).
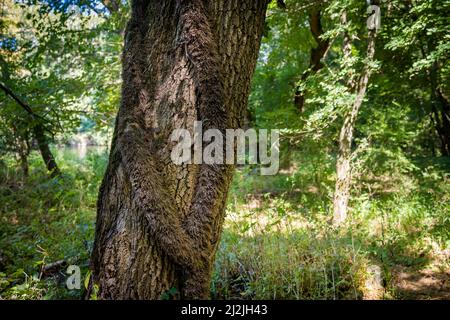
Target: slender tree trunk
(316, 56)
(24, 165)
(158, 224)
(22, 151)
(44, 149)
(343, 165)
(23, 156)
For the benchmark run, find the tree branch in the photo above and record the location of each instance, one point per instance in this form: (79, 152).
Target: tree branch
(25, 106)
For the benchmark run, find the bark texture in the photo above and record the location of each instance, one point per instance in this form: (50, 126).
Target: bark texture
(343, 165)
(158, 224)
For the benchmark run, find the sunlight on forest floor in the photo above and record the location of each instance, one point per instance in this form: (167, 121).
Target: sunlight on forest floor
(277, 241)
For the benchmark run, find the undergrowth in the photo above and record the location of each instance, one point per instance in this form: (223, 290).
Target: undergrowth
(277, 241)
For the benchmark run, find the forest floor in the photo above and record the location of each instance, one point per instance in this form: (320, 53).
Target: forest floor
(425, 284)
(277, 242)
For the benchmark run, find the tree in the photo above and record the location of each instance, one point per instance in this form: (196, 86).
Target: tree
(158, 224)
(38, 130)
(343, 163)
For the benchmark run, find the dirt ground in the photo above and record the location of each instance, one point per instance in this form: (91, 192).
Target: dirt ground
(424, 284)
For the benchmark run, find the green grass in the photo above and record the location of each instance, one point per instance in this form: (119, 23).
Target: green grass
(278, 244)
(45, 220)
(277, 241)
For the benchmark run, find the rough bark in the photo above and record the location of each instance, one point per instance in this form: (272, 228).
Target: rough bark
(316, 56)
(38, 133)
(343, 164)
(158, 224)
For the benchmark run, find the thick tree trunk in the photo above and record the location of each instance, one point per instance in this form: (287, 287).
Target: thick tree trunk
(343, 164)
(158, 224)
(316, 56)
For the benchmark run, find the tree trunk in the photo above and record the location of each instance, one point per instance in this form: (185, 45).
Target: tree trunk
(45, 151)
(316, 56)
(24, 165)
(343, 164)
(23, 157)
(22, 150)
(158, 224)
(440, 107)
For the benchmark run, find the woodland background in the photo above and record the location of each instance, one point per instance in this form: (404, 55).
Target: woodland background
(60, 80)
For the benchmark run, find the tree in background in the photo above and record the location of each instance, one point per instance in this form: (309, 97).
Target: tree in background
(413, 56)
(357, 84)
